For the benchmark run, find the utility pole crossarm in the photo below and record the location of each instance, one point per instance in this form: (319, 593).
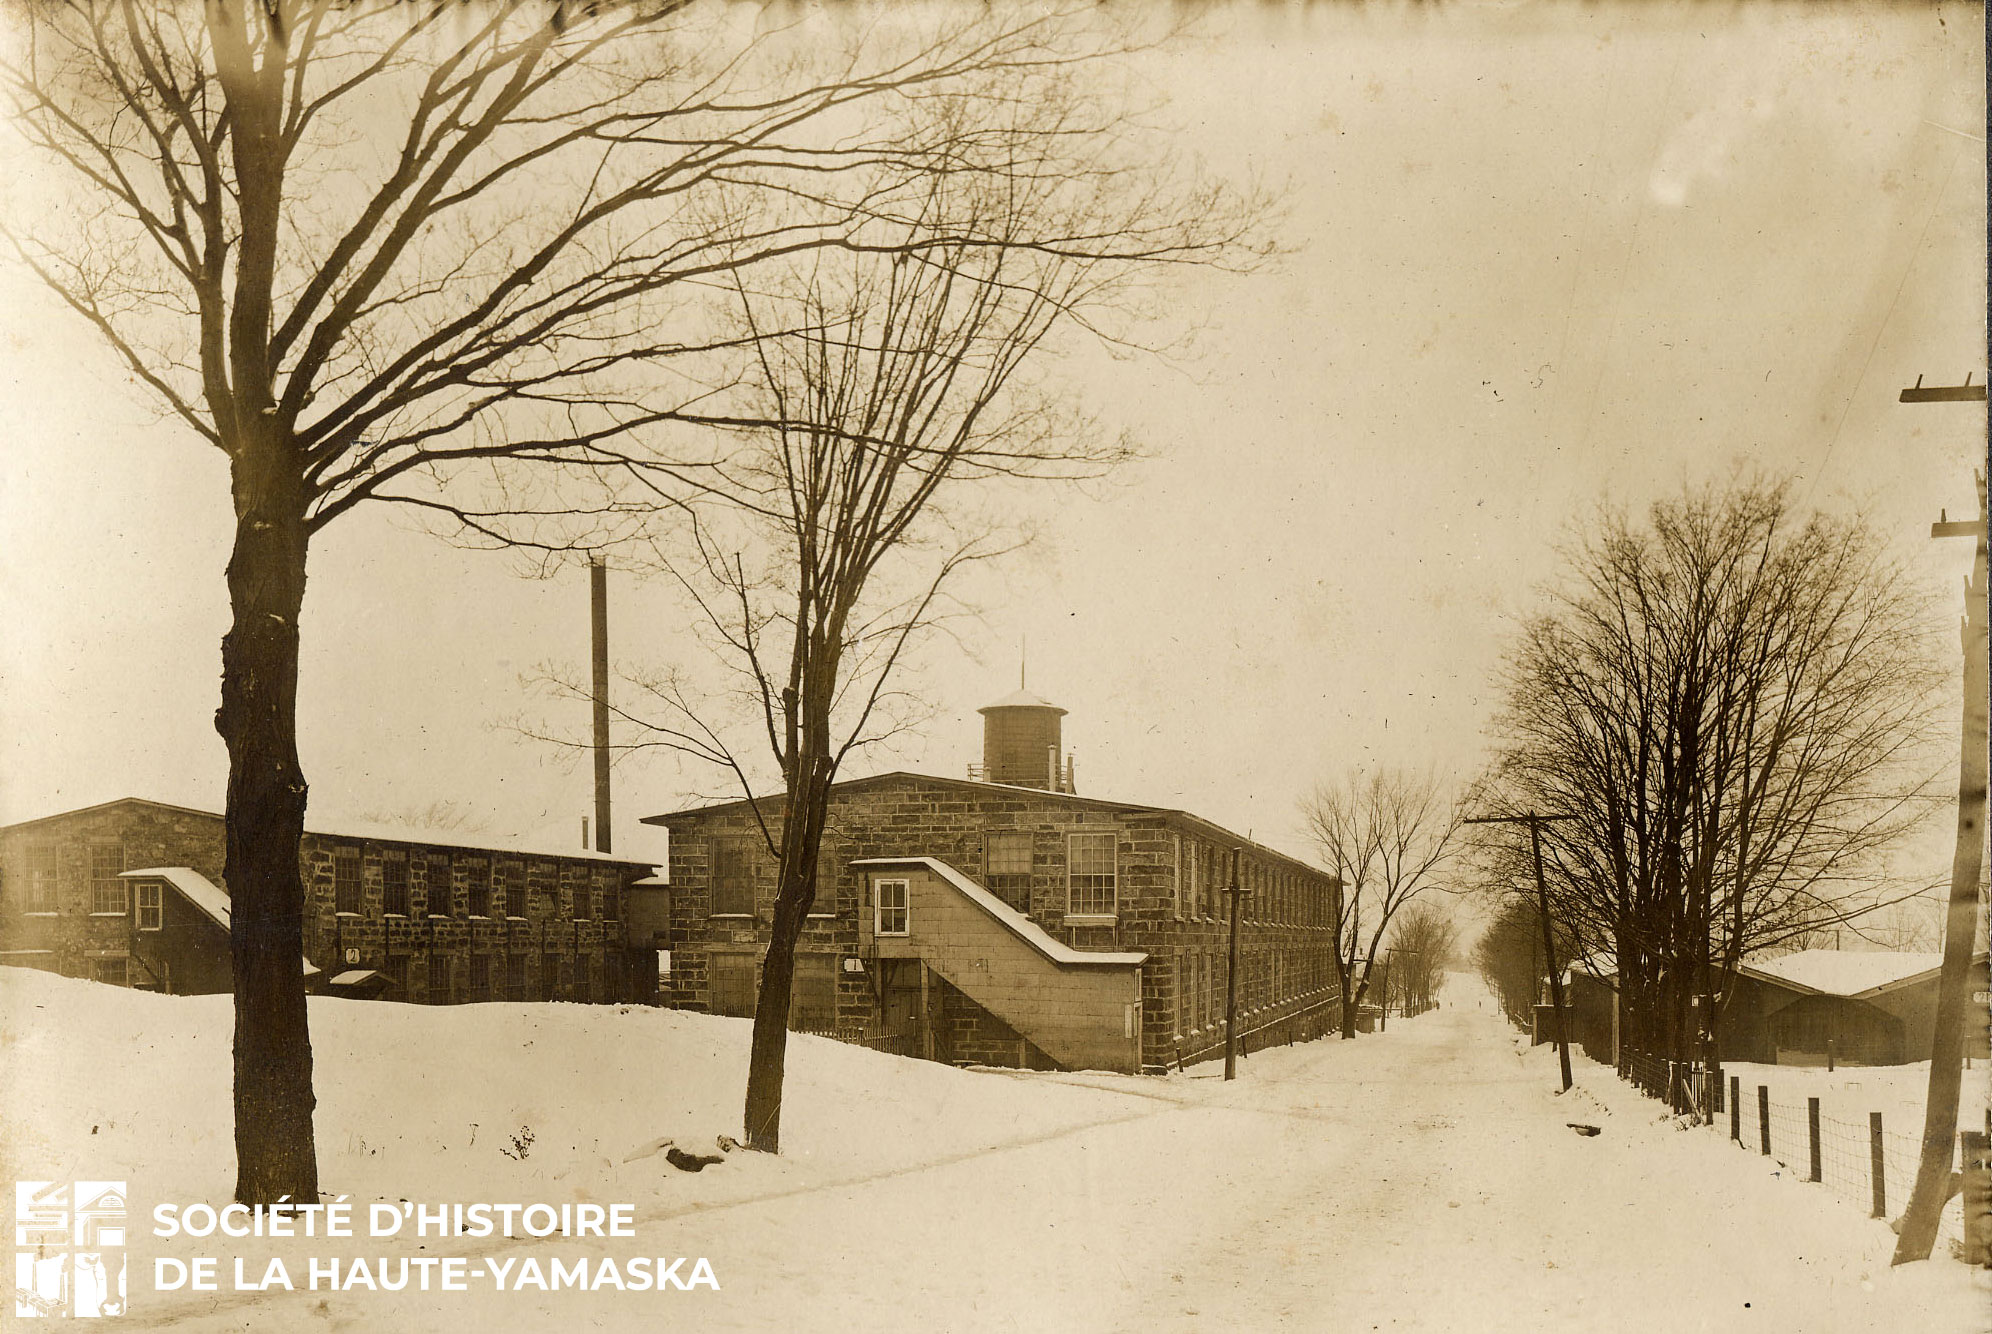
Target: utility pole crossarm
(1944, 393)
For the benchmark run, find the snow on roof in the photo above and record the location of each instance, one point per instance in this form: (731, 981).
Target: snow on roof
(194, 887)
(352, 976)
(544, 842)
(1845, 972)
(1022, 699)
(200, 891)
(1021, 926)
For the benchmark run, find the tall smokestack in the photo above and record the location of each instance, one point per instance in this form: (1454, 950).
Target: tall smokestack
(598, 606)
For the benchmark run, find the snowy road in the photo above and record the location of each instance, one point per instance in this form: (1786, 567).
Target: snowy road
(1422, 1179)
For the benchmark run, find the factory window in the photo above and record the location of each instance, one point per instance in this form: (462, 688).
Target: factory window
(732, 877)
(892, 910)
(41, 878)
(478, 888)
(346, 880)
(1186, 875)
(439, 894)
(512, 891)
(1006, 867)
(1090, 875)
(115, 970)
(515, 977)
(108, 893)
(394, 885)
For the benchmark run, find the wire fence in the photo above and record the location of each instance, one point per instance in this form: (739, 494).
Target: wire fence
(1870, 1166)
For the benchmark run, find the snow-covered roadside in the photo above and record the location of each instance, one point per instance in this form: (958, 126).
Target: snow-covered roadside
(1422, 1179)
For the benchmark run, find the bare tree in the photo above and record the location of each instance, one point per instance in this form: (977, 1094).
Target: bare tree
(1423, 945)
(1509, 956)
(879, 390)
(1731, 703)
(375, 251)
(1388, 835)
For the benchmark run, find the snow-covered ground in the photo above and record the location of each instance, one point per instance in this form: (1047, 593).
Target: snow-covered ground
(1423, 1179)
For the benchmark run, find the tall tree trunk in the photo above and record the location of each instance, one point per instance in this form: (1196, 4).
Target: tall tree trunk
(1345, 976)
(276, 1154)
(767, 1061)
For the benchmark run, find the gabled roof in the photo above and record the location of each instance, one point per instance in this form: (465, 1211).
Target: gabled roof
(1216, 833)
(374, 831)
(1019, 925)
(194, 887)
(1858, 974)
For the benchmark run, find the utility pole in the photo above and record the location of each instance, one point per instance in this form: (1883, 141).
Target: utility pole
(1535, 821)
(1933, 1175)
(1231, 977)
(598, 609)
(1383, 1013)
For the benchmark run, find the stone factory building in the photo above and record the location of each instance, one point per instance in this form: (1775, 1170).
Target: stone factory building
(131, 892)
(1004, 919)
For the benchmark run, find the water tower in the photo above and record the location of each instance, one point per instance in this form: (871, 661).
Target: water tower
(1021, 743)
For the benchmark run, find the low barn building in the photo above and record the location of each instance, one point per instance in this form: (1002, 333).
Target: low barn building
(131, 892)
(1004, 919)
(1864, 1007)
(1860, 1007)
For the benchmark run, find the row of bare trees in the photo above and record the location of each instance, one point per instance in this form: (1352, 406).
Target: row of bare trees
(1729, 702)
(1389, 835)
(552, 273)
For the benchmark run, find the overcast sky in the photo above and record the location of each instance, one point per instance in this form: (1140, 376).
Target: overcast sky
(1539, 255)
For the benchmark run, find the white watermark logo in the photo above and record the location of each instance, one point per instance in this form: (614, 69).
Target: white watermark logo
(69, 1248)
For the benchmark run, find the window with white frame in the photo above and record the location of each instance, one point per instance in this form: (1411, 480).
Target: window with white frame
(1089, 875)
(890, 908)
(42, 878)
(151, 905)
(108, 891)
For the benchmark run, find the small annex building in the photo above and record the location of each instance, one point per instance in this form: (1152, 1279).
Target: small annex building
(131, 892)
(1004, 918)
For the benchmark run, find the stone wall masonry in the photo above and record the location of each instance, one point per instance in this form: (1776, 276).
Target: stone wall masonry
(1168, 868)
(433, 946)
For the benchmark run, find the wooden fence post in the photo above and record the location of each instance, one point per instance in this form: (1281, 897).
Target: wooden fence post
(1877, 1166)
(1735, 1109)
(1976, 1187)
(1764, 1117)
(1812, 1130)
